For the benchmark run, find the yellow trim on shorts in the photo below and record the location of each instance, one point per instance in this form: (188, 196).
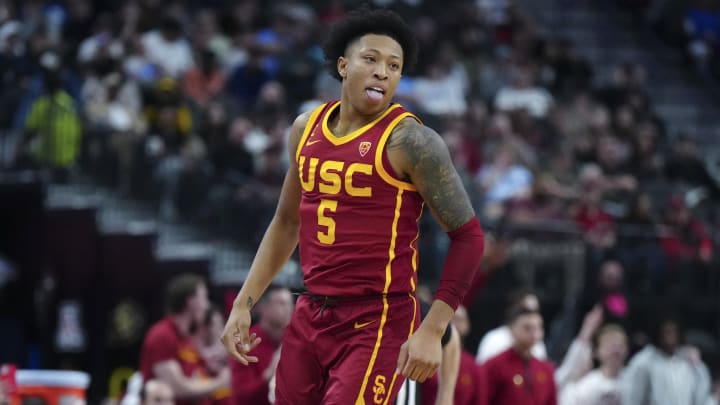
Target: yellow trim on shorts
(412, 327)
(388, 278)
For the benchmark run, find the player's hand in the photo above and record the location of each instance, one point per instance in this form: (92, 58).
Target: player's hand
(236, 338)
(420, 356)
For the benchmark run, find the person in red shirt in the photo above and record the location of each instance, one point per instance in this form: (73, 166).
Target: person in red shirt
(168, 352)
(212, 352)
(514, 376)
(362, 169)
(250, 384)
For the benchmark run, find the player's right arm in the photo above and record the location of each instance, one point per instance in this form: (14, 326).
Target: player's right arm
(278, 243)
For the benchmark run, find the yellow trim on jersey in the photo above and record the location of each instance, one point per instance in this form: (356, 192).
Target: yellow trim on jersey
(388, 278)
(412, 327)
(354, 134)
(415, 253)
(381, 149)
(308, 129)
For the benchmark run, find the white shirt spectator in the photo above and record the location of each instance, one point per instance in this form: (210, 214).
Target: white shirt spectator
(443, 95)
(511, 182)
(593, 389)
(536, 100)
(174, 57)
(90, 48)
(654, 378)
(500, 339)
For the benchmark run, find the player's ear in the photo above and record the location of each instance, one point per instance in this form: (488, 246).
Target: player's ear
(342, 66)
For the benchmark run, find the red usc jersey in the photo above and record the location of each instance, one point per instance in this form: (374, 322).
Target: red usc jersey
(358, 222)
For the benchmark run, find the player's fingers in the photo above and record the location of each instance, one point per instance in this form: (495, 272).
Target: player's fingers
(232, 349)
(409, 372)
(428, 372)
(402, 360)
(250, 359)
(254, 342)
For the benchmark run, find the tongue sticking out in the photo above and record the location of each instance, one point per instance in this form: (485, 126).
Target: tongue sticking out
(374, 95)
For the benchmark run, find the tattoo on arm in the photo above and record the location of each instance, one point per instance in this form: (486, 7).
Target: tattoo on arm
(250, 302)
(430, 169)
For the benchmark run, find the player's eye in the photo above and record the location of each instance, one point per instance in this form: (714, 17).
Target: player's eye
(394, 66)
(370, 58)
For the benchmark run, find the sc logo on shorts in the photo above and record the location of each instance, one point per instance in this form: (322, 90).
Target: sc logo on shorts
(379, 389)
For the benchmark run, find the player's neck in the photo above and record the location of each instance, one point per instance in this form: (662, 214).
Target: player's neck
(348, 119)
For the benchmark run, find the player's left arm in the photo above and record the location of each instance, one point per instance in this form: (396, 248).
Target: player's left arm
(420, 156)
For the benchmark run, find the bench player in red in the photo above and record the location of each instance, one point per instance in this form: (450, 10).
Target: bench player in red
(363, 167)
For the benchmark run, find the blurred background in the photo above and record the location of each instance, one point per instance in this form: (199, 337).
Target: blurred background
(143, 139)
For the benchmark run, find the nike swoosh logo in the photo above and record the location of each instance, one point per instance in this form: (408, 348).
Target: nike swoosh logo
(308, 143)
(359, 325)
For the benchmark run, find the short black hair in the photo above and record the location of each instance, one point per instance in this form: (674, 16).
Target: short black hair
(662, 320)
(179, 289)
(363, 21)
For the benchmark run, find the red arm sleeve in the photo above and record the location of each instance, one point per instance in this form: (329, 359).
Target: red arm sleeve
(463, 260)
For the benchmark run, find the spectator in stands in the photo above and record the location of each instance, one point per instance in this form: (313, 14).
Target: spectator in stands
(578, 359)
(246, 80)
(157, 392)
(250, 384)
(639, 247)
(597, 225)
(500, 339)
(53, 128)
(600, 386)
(168, 351)
(702, 25)
(205, 81)
(502, 179)
(441, 90)
(664, 372)
(687, 246)
(166, 48)
(213, 354)
(515, 376)
(524, 94)
(684, 164)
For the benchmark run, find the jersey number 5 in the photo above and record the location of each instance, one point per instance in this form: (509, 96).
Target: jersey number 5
(328, 237)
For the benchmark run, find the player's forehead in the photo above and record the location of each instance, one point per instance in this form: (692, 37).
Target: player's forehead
(377, 43)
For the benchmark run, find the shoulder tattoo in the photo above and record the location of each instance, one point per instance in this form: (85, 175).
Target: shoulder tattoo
(430, 169)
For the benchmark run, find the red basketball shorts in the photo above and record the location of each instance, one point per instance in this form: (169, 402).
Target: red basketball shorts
(346, 352)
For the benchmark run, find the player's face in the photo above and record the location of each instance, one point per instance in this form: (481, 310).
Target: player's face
(612, 348)
(371, 70)
(527, 330)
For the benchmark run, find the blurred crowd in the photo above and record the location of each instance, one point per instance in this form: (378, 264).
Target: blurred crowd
(188, 104)
(691, 26)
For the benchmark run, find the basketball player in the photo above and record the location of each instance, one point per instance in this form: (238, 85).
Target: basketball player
(363, 168)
